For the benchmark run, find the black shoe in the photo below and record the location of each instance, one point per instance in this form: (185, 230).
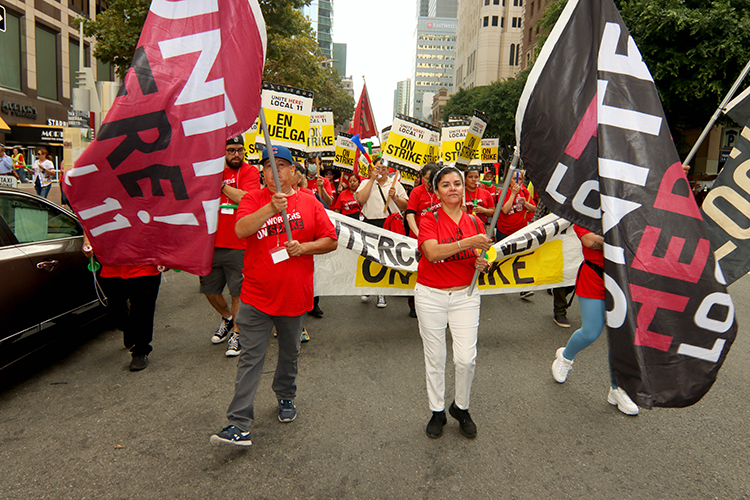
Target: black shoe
(316, 311)
(561, 320)
(139, 362)
(435, 426)
(412, 313)
(466, 425)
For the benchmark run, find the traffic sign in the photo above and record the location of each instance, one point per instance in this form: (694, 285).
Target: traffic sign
(2, 18)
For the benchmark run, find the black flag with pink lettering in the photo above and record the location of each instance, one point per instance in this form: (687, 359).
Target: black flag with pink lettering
(148, 189)
(593, 137)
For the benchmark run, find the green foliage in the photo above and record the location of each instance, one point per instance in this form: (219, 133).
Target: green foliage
(498, 101)
(117, 30)
(694, 49)
(292, 54)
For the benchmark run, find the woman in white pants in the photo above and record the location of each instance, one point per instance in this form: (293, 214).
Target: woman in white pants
(448, 239)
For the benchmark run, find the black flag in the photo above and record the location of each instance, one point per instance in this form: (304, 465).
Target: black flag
(592, 134)
(727, 206)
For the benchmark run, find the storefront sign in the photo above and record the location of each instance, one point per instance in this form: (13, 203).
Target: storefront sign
(15, 109)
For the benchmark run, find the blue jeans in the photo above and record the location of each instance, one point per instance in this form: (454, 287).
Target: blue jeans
(42, 191)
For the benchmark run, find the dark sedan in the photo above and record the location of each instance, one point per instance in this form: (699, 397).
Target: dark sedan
(47, 292)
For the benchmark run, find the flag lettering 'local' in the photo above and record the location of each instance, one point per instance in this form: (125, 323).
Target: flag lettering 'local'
(608, 164)
(147, 189)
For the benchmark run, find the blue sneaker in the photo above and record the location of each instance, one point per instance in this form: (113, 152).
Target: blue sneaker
(232, 434)
(287, 410)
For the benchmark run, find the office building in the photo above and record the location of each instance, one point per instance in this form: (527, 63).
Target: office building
(435, 40)
(39, 58)
(489, 34)
(401, 97)
(320, 13)
(339, 58)
(533, 14)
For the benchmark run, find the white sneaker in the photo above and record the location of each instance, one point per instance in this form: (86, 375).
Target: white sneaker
(620, 398)
(381, 301)
(364, 298)
(561, 366)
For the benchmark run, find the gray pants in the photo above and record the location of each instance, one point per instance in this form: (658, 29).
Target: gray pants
(255, 332)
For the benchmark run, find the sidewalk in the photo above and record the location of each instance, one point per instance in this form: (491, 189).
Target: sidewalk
(54, 192)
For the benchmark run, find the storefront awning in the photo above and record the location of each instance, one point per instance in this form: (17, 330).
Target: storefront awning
(4, 126)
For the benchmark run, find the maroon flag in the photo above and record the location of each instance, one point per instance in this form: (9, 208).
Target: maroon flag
(364, 121)
(592, 134)
(147, 189)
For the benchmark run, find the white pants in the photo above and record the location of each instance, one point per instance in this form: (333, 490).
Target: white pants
(437, 309)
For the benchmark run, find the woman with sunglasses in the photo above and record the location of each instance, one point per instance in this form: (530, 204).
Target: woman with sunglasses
(449, 239)
(44, 169)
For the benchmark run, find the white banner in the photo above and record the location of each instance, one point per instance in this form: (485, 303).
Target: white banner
(373, 261)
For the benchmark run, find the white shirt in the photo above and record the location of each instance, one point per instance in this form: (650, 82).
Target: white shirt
(44, 178)
(374, 207)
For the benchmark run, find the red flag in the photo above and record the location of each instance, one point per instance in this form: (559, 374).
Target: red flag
(147, 190)
(364, 121)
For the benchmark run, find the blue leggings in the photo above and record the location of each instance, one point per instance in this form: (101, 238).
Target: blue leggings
(593, 315)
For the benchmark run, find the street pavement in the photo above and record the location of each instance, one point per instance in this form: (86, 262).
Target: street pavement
(83, 427)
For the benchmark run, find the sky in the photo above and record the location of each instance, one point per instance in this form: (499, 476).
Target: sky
(380, 45)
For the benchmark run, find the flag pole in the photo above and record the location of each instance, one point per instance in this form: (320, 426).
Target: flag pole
(498, 209)
(263, 125)
(716, 114)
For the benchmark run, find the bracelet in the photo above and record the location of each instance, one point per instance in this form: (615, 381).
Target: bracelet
(459, 245)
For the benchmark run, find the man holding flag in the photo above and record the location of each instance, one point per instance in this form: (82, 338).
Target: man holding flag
(277, 289)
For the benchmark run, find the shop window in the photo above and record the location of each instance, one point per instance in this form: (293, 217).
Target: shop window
(46, 63)
(10, 55)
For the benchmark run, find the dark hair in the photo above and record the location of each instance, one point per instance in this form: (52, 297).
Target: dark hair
(299, 168)
(436, 176)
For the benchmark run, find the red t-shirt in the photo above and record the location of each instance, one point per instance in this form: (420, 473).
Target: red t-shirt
(494, 192)
(515, 219)
(346, 202)
(245, 178)
(456, 270)
(286, 288)
(588, 283)
(127, 272)
(312, 184)
(484, 200)
(421, 202)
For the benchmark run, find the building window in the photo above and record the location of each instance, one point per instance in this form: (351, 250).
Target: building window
(502, 22)
(73, 59)
(486, 2)
(496, 2)
(494, 20)
(517, 3)
(486, 21)
(512, 57)
(10, 55)
(46, 63)
(532, 8)
(514, 22)
(530, 33)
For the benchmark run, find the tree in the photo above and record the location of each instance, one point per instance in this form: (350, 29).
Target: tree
(117, 30)
(498, 101)
(694, 49)
(292, 54)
